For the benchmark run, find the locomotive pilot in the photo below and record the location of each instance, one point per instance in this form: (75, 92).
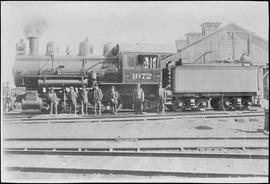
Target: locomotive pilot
(53, 101)
(138, 99)
(97, 98)
(161, 99)
(84, 100)
(72, 99)
(113, 97)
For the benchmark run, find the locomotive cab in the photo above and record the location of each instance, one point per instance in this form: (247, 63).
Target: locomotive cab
(137, 63)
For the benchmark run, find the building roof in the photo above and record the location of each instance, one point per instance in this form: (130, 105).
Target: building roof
(223, 28)
(193, 33)
(146, 48)
(258, 40)
(213, 23)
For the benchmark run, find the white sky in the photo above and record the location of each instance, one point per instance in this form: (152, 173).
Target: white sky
(154, 22)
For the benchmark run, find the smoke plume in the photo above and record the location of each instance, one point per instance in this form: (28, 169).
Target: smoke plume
(35, 27)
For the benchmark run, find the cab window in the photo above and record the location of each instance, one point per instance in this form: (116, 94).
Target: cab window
(129, 61)
(147, 61)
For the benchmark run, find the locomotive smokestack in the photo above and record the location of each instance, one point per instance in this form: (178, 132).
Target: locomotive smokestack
(33, 30)
(33, 45)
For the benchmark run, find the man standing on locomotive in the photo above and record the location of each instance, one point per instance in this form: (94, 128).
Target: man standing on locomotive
(97, 98)
(138, 99)
(53, 101)
(84, 100)
(72, 98)
(161, 99)
(113, 96)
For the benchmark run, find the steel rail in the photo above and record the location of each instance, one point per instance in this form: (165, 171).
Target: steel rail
(123, 115)
(119, 119)
(137, 154)
(135, 138)
(190, 149)
(130, 172)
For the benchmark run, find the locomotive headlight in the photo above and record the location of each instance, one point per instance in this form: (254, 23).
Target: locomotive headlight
(44, 90)
(239, 100)
(168, 92)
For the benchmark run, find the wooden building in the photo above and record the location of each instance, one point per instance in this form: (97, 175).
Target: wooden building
(215, 44)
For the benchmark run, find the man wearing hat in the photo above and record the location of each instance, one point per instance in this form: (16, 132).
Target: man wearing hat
(97, 98)
(72, 98)
(138, 99)
(53, 101)
(161, 99)
(84, 100)
(113, 97)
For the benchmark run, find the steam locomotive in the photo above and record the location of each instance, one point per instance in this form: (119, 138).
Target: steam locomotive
(189, 86)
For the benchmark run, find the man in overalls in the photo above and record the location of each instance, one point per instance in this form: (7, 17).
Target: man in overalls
(84, 100)
(53, 101)
(97, 97)
(113, 97)
(138, 99)
(161, 99)
(72, 97)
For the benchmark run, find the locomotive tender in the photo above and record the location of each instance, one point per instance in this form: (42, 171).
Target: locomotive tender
(190, 86)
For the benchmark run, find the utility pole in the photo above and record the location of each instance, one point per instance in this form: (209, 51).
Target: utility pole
(233, 45)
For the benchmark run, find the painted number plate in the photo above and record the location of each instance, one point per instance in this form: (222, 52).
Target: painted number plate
(144, 76)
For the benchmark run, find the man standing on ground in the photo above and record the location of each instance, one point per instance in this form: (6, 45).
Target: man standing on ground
(53, 101)
(84, 100)
(113, 97)
(72, 98)
(97, 97)
(138, 99)
(161, 99)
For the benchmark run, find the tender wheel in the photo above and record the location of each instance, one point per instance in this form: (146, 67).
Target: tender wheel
(202, 105)
(178, 105)
(247, 103)
(224, 104)
(214, 103)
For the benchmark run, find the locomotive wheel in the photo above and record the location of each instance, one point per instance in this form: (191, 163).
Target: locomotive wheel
(149, 105)
(203, 104)
(224, 104)
(214, 103)
(178, 105)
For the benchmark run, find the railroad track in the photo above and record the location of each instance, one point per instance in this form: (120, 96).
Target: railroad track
(174, 144)
(137, 163)
(131, 117)
(245, 156)
(122, 153)
(140, 156)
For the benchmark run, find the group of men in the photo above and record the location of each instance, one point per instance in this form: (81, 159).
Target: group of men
(72, 95)
(96, 95)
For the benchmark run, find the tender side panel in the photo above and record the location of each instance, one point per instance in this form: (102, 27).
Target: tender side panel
(215, 79)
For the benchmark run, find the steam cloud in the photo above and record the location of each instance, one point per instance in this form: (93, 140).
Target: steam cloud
(35, 27)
